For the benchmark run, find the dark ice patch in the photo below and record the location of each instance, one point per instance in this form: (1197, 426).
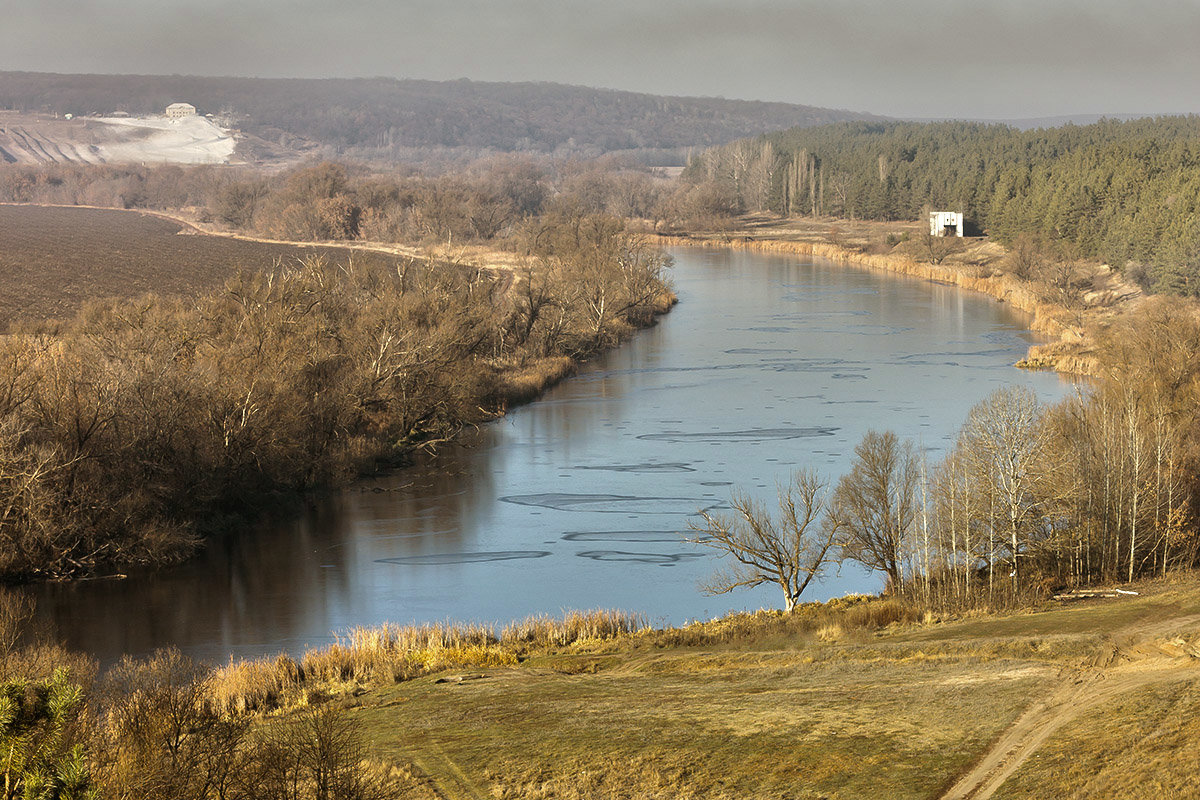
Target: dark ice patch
(622, 536)
(808, 364)
(613, 503)
(751, 435)
(651, 468)
(994, 353)
(465, 558)
(659, 559)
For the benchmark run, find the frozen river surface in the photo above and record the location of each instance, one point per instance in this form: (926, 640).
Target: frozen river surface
(769, 363)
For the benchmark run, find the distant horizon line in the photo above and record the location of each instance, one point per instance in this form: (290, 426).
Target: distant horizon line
(1022, 121)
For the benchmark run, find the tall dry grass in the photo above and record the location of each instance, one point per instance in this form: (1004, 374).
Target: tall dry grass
(389, 653)
(840, 617)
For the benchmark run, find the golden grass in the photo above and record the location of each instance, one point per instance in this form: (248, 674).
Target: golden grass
(850, 614)
(390, 653)
(520, 385)
(860, 696)
(256, 685)
(543, 632)
(1142, 746)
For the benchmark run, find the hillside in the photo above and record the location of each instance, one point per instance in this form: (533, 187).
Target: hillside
(41, 139)
(381, 116)
(1083, 699)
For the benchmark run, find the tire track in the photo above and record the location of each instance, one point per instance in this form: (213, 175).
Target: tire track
(1139, 662)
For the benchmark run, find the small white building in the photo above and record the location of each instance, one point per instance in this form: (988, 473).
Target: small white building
(180, 110)
(945, 223)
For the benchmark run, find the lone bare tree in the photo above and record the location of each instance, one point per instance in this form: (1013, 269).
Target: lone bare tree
(788, 551)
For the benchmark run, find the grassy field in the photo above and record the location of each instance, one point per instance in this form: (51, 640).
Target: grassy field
(1098, 699)
(53, 260)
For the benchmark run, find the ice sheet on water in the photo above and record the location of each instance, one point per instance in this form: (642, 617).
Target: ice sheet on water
(751, 435)
(613, 503)
(623, 536)
(651, 468)
(659, 559)
(465, 558)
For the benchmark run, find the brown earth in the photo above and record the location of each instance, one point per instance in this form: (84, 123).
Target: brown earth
(55, 259)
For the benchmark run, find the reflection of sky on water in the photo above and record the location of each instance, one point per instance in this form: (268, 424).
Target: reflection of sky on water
(583, 499)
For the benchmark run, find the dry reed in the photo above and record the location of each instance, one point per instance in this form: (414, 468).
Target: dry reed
(390, 653)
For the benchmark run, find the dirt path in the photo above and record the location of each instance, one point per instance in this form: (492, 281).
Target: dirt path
(1139, 660)
(471, 255)
(449, 781)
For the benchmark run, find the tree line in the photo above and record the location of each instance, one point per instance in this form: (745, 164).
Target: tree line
(1126, 193)
(132, 431)
(489, 200)
(1101, 487)
(382, 118)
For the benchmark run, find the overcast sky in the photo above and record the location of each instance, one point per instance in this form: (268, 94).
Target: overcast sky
(950, 58)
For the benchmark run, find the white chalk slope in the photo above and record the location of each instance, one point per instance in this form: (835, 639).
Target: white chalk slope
(108, 140)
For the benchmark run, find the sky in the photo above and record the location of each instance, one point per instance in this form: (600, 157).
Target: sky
(1002, 59)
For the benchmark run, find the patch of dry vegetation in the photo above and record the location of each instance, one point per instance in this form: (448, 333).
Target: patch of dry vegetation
(1142, 745)
(859, 697)
(129, 433)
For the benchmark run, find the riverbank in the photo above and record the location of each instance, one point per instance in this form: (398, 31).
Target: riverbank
(147, 423)
(853, 698)
(974, 264)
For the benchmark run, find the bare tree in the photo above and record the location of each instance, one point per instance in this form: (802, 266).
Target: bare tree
(788, 551)
(875, 504)
(1009, 446)
(939, 248)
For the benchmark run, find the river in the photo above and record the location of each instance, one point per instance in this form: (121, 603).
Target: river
(580, 500)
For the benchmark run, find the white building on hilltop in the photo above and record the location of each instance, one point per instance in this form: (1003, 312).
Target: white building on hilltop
(945, 223)
(180, 110)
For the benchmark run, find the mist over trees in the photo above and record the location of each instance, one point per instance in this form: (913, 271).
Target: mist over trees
(1126, 193)
(386, 118)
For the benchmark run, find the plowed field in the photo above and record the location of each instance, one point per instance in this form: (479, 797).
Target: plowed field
(53, 260)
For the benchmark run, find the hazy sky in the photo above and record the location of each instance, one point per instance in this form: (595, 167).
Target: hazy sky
(1001, 58)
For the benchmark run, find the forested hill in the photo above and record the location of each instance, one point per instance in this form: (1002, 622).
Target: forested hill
(380, 113)
(1127, 193)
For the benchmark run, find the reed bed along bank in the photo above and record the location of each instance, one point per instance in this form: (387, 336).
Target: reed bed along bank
(374, 656)
(389, 653)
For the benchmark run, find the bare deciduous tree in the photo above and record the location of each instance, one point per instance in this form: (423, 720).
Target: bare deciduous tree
(875, 504)
(788, 551)
(1009, 447)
